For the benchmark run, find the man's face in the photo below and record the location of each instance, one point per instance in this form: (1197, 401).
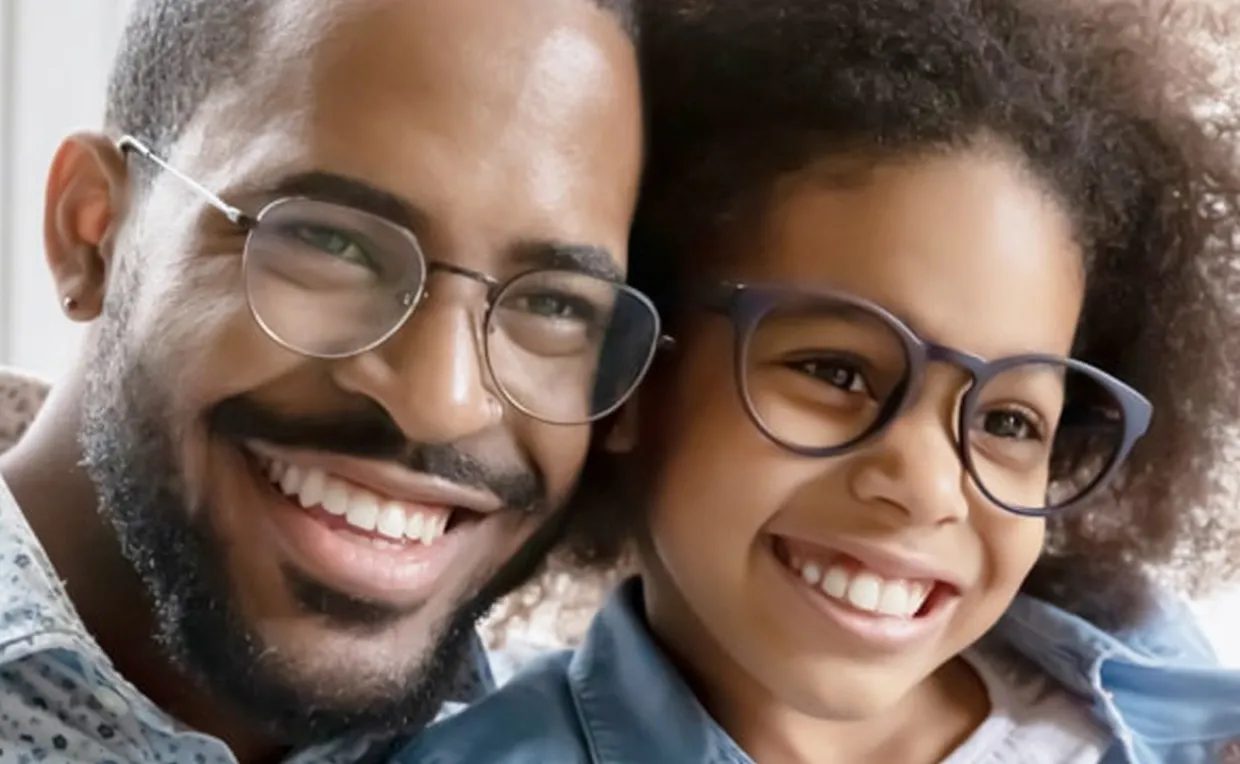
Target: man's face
(492, 130)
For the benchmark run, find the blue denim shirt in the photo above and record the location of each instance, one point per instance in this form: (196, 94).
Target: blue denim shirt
(618, 700)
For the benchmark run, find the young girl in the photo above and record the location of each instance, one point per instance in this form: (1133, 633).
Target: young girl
(952, 288)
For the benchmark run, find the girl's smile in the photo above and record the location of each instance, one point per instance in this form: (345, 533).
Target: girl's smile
(838, 516)
(883, 601)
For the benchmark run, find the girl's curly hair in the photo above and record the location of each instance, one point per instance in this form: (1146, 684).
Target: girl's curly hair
(1126, 110)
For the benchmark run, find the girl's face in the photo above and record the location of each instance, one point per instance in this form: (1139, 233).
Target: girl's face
(766, 567)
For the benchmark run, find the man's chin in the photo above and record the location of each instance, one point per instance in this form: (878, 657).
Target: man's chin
(306, 680)
(346, 651)
(207, 626)
(302, 661)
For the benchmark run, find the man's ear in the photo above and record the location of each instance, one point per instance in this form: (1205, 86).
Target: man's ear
(87, 193)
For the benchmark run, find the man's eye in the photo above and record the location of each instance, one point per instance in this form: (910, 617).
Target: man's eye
(553, 305)
(333, 242)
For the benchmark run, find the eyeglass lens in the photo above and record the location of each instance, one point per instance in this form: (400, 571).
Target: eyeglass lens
(329, 281)
(568, 347)
(826, 375)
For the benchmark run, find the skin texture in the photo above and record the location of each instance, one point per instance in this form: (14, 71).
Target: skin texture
(970, 252)
(497, 124)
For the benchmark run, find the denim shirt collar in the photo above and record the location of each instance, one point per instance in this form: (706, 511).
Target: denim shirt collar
(623, 682)
(1156, 687)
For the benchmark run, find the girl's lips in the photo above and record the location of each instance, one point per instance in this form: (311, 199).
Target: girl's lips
(886, 561)
(902, 629)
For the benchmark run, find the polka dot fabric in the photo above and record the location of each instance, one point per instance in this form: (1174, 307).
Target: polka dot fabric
(21, 395)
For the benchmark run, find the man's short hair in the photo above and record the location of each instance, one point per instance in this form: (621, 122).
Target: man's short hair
(174, 53)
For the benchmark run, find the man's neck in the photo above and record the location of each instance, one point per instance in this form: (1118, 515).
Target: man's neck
(44, 473)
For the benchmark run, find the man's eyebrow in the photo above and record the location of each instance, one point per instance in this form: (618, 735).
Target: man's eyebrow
(589, 259)
(528, 254)
(350, 192)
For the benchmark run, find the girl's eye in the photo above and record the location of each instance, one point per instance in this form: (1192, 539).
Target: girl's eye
(834, 372)
(1014, 425)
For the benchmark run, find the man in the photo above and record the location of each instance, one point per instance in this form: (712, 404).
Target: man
(351, 271)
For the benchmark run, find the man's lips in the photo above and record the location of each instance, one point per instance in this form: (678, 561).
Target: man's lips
(358, 541)
(384, 479)
(350, 507)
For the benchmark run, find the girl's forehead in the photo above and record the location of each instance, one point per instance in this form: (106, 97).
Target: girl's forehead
(967, 246)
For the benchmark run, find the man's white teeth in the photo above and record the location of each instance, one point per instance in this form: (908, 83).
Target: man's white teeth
(335, 499)
(360, 508)
(363, 510)
(391, 520)
(865, 590)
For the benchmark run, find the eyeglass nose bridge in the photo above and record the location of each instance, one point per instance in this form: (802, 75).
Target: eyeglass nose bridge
(976, 367)
(410, 300)
(491, 283)
(921, 355)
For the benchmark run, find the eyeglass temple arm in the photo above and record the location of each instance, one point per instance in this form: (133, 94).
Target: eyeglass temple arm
(129, 143)
(716, 298)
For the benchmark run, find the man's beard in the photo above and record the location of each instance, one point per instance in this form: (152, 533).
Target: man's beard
(131, 457)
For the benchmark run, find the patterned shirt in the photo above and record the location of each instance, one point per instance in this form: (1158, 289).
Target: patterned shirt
(62, 701)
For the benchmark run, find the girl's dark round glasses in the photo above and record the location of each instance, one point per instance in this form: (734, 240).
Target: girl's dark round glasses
(821, 373)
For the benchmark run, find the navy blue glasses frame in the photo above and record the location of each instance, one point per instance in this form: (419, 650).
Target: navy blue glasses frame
(746, 305)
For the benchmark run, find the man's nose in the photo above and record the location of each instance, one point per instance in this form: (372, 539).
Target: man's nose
(430, 376)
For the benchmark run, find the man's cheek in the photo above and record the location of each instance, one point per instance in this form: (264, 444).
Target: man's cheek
(558, 452)
(219, 356)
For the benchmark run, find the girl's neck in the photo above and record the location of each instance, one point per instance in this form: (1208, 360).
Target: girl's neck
(923, 728)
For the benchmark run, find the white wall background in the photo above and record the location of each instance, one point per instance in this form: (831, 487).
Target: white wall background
(54, 57)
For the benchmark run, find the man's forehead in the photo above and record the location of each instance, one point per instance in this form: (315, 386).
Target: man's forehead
(383, 68)
(490, 41)
(521, 115)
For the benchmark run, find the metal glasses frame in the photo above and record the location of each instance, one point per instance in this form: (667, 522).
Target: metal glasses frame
(495, 288)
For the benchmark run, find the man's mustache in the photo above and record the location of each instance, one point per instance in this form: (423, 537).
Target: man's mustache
(368, 432)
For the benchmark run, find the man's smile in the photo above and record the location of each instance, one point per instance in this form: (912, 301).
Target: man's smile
(373, 531)
(369, 514)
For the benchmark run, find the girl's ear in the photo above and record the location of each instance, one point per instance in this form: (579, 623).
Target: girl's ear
(621, 437)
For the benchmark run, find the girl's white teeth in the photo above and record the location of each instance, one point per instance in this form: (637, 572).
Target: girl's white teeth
(360, 508)
(865, 590)
(836, 582)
